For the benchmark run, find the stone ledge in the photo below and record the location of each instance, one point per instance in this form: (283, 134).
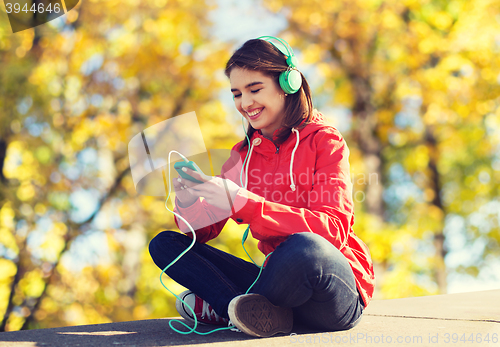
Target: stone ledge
(419, 321)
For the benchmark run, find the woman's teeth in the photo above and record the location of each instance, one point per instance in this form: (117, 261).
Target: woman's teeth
(254, 113)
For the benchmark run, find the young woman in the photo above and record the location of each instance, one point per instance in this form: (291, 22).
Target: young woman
(297, 199)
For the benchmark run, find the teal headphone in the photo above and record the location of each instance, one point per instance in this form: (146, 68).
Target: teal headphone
(290, 80)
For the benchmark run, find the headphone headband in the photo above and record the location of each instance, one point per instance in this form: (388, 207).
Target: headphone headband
(290, 80)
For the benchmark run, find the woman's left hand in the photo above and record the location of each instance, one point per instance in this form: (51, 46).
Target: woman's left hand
(215, 190)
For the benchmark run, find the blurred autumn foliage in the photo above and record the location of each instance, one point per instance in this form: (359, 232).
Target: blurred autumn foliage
(420, 81)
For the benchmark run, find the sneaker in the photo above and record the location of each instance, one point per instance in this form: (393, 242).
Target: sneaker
(233, 328)
(254, 315)
(205, 314)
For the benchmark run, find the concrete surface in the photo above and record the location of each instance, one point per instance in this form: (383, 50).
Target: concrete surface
(466, 319)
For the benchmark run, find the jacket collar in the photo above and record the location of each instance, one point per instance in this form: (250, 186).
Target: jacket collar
(266, 146)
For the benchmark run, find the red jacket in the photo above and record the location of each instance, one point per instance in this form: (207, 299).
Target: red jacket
(321, 201)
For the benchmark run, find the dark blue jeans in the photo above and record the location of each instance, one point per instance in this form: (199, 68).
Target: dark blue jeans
(305, 272)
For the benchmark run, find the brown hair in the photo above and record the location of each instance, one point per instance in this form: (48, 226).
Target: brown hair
(260, 55)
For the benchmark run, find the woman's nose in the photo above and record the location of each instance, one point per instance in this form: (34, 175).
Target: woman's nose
(246, 101)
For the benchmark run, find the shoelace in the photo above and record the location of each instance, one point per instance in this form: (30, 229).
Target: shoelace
(235, 329)
(207, 312)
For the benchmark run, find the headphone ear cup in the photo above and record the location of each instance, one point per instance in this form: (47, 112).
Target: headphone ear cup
(290, 81)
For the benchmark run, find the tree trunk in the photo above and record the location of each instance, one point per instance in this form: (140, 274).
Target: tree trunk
(365, 135)
(435, 185)
(3, 154)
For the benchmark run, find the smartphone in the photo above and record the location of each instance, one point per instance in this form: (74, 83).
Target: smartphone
(190, 165)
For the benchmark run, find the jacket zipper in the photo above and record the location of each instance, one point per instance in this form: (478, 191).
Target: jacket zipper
(276, 165)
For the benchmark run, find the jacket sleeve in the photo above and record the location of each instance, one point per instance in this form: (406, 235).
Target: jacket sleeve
(208, 220)
(330, 205)
(205, 219)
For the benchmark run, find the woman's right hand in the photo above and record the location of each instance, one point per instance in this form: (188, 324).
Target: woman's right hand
(185, 198)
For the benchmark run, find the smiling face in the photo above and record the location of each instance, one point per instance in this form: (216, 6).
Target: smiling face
(259, 99)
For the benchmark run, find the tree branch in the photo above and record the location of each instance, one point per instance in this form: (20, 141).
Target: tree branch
(69, 238)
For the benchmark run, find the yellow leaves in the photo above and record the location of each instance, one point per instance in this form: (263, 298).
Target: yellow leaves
(103, 125)
(489, 75)
(414, 4)
(325, 69)
(55, 87)
(313, 54)
(73, 86)
(113, 244)
(377, 235)
(160, 214)
(7, 270)
(407, 87)
(82, 133)
(146, 201)
(477, 26)
(124, 112)
(52, 246)
(420, 29)
(315, 18)
(7, 239)
(390, 20)
(123, 43)
(77, 314)
(453, 62)
(486, 106)
(15, 321)
(418, 160)
(346, 30)
(428, 45)
(32, 283)
(160, 3)
(40, 209)
(475, 135)
(49, 306)
(26, 42)
(41, 75)
(18, 162)
(344, 94)
(57, 120)
(62, 92)
(27, 158)
(385, 116)
(149, 25)
(140, 312)
(275, 5)
(26, 191)
(442, 20)
(429, 194)
(7, 215)
(72, 16)
(426, 39)
(4, 42)
(436, 112)
(381, 249)
(425, 218)
(436, 214)
(400, 283)
(43, 154)
(59, 229)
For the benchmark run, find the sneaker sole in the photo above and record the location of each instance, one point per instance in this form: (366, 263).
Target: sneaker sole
(254, 315)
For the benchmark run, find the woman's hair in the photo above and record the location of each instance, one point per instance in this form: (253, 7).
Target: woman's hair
(263, 56)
